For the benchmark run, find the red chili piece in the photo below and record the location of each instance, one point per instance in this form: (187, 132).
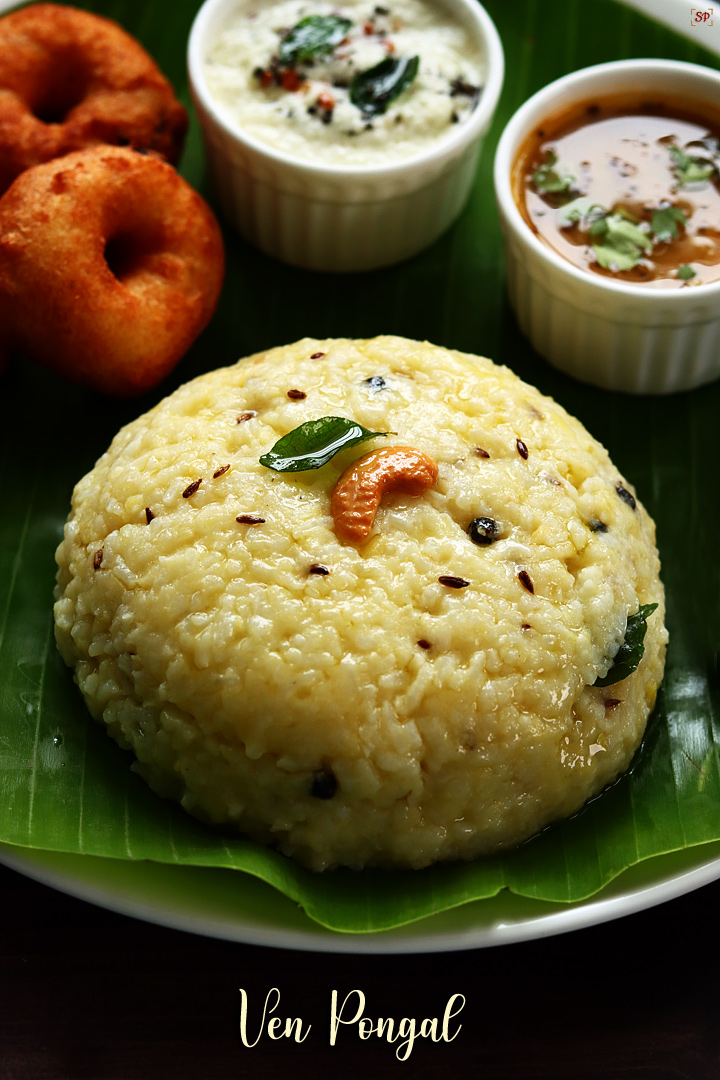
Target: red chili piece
(290, 80)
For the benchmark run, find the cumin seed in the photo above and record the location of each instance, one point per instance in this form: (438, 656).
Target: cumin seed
(453, 582)
(526, 581)
(191, 488)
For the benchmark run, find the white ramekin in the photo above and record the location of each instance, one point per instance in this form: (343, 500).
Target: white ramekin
(341, 217)
(609, 333)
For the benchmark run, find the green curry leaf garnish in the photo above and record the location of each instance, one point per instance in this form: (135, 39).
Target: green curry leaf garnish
(315, 442)
(373, 90)
(311, 37)
(631, 651)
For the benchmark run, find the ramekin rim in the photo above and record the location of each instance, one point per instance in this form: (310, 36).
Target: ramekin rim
(509, 211)
(448, 145)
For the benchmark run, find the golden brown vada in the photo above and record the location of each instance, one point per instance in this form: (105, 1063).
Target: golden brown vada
(110, 266)
(70, 79)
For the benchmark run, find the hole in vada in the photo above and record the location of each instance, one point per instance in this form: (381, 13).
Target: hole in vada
(65, 87)
(126, 253)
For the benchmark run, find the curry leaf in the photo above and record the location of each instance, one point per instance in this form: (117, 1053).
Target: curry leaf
(631, 651)
(313, 36)
(315, 442)
(373, 90)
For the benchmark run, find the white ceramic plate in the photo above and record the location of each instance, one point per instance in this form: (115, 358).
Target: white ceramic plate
(234, 906)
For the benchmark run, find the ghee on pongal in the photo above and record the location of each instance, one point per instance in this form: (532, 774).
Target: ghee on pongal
(370, 714)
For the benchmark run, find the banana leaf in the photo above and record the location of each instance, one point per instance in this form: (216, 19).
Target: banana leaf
(65, 786)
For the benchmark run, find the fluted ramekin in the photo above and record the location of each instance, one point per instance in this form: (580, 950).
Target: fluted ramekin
(341, 217)
(613, 334)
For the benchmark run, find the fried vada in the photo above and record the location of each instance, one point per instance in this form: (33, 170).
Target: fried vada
(70, 79)
(110, 266)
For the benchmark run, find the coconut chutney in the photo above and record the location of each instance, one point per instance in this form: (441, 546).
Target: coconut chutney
(357, 84)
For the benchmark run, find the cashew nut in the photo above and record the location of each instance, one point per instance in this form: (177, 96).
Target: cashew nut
(359, 490)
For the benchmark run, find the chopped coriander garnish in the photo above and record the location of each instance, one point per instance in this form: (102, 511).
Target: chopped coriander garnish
(685, 272)
(664, 223)
(550, 181)
(582, 212)
(690, 170)
(622, 245)
(315, 442)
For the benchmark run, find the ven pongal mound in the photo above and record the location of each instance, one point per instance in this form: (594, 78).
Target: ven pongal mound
(444, 682)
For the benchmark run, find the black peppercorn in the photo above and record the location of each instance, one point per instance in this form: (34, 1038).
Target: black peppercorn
(324, 784)
(626, 496)
(376, 382)
(483, 530)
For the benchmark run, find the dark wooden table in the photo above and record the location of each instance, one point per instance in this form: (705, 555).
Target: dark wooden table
(85, 993)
